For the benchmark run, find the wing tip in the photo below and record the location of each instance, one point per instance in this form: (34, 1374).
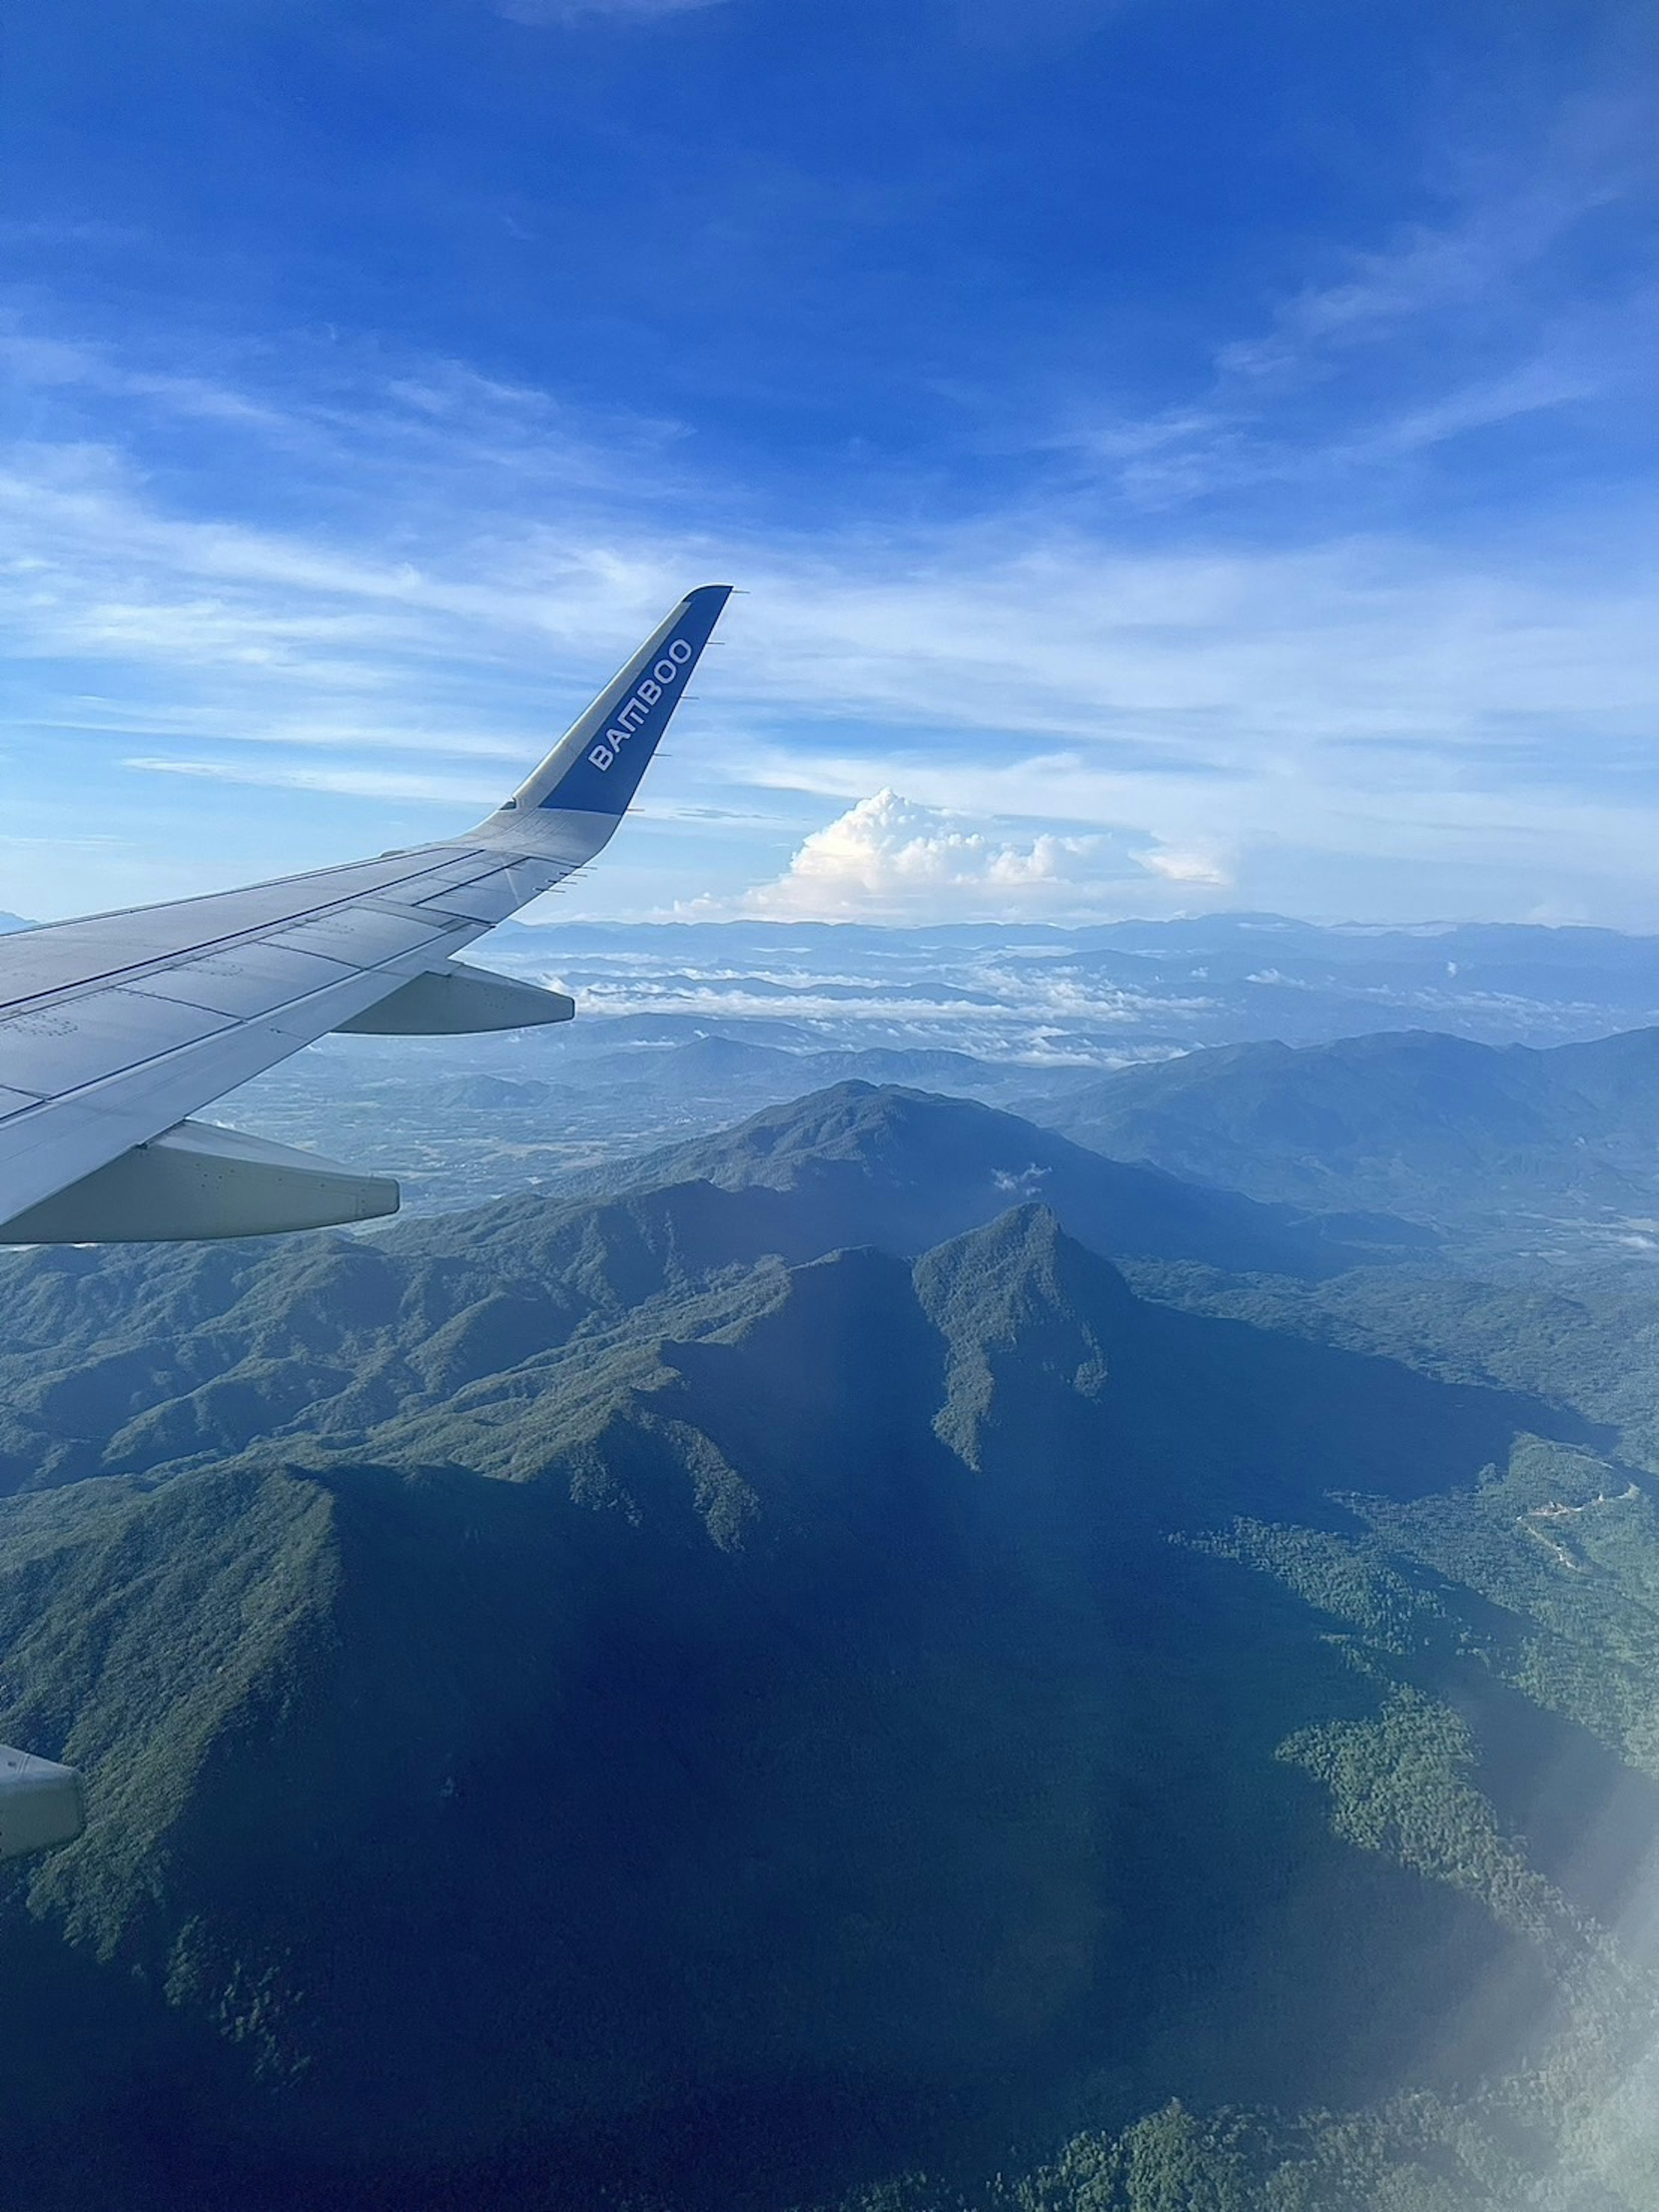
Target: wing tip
(620, 731)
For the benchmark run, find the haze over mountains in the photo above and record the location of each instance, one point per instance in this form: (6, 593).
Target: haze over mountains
(687, 1027)
(1509, 1139)
(616, 1697)
(1033, 991)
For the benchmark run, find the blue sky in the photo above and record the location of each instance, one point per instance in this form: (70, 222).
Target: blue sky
(1178, 455)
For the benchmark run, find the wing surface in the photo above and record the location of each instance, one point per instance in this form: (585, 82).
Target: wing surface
(115, 1029)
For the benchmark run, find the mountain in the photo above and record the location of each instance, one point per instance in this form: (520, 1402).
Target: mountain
(621, 1700)
(131, 1358)
(905, 1168)
(1427, 1125)
(493, 1092)
(457, 1133)
(718, 1058)
(687, 1027)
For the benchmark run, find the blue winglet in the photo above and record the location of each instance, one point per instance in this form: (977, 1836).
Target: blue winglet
(596, 766)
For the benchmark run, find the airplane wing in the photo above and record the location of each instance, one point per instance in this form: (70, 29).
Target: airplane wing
(114, 1030)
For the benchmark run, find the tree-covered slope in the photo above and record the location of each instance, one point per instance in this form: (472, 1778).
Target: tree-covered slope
(1433, 1126)
(115, 1362)
(906, 1169)
(623, 1702)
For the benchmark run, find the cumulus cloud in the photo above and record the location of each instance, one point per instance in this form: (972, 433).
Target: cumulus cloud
(891, 858)
(888, 857)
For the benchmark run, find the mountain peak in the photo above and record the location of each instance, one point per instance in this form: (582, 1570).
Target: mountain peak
(1020, 1304)
(906, 1170)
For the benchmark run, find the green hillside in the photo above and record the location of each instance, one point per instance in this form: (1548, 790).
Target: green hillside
(625, 1699)
(1439, 1129)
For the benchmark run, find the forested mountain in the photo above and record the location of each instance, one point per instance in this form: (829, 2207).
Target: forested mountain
(781, 1669)
(1437, 1128)
(119, 1361)
(903, 1168)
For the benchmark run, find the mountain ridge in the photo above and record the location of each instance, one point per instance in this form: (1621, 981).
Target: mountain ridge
(1429, 1124)
(339, 1334)
(605, 1701)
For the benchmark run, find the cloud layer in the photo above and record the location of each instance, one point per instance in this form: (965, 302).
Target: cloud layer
(1365, 725)
(1181, 485)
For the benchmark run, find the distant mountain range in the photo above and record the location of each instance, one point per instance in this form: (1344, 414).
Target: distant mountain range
(621, 1699)
(1436, 1128)
(734, 1071)
(152, 1354)
(1039, 992)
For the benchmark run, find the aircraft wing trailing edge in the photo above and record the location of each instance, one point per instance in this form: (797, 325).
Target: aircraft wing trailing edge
(115, 1030)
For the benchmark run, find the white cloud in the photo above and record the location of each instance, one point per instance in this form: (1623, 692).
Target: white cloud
(887, 858)
(345, 782)
(1207, 870)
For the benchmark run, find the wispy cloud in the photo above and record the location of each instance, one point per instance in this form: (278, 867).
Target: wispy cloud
(1397, 723)
(1446, 326)
(1207, 870)
(349, 783)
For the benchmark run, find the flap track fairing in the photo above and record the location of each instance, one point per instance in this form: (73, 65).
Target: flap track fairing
(458, 1001)
(195, 1179)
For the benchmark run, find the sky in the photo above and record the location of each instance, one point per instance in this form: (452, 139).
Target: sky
(1177, 456)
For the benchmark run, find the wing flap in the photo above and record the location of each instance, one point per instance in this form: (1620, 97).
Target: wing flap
(456, 1001)
(58, 1140)
(256, 979)
(41, 1803)
(364, 936)
(82, 1040)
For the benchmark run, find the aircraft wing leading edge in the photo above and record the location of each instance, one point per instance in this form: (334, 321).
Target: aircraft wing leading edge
(114, 1030)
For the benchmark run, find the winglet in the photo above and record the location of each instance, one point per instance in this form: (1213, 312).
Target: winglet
(596, 766)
